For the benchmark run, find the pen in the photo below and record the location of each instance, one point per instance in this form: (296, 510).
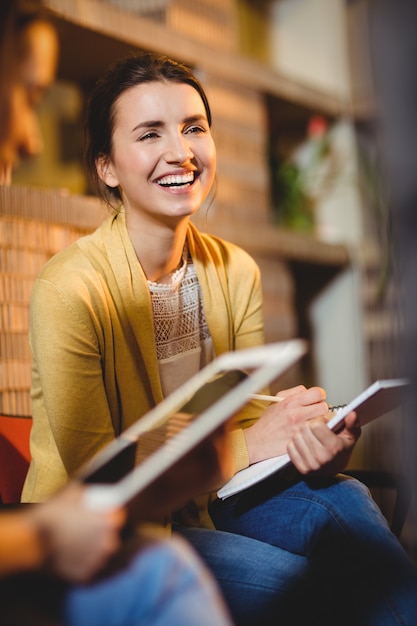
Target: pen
(259, 396)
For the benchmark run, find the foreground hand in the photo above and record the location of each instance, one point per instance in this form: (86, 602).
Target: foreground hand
(315, 448)
(77, 541)
(270, 435)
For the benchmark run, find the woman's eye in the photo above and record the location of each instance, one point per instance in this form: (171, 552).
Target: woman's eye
(149, 135)
(195, 129)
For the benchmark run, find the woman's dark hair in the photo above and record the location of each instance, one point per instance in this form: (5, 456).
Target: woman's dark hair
(135, 70)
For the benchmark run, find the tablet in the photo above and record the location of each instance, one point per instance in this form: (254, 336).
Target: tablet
(147, 450)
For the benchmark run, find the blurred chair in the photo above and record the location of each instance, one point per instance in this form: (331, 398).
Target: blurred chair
(14, 456)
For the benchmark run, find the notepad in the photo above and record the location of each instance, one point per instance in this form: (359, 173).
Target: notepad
(377, 400)
(147, 450)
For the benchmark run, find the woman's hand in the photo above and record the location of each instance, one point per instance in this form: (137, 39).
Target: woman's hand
(281, 421)
(315, 448)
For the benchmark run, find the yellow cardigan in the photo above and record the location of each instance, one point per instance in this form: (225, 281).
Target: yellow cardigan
(95, 369)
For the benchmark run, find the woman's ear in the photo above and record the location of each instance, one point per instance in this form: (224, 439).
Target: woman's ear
(106, 172)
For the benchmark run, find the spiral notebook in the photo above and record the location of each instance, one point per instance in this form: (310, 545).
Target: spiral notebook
(147, 450)
(377, 400)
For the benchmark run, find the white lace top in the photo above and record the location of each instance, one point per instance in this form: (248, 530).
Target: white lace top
(183, 340)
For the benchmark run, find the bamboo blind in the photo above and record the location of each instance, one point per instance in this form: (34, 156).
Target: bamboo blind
(34, 225)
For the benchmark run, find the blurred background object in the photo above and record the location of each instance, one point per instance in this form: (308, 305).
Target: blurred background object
(393, 39)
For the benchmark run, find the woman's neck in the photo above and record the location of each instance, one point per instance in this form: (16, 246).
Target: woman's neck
(159, 247)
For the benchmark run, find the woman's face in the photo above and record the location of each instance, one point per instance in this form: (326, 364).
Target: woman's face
(34, 73)
(163, 155)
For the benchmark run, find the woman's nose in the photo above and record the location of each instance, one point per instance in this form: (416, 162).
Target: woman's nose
(179, 149)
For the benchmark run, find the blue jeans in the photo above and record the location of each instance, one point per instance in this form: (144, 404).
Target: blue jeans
(357, 572)
(164, 584)
(155, 583)
(260, 582)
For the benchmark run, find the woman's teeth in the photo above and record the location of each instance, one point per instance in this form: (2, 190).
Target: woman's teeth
(174, 180)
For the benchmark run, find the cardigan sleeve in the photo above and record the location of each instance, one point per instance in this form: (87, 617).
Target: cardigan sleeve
(71, 416)
(239, 450)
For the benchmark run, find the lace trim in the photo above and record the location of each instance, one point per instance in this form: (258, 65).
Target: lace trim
(178, 313)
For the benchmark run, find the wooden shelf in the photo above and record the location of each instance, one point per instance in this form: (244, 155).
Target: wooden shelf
(270, 241)
(94, 34)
